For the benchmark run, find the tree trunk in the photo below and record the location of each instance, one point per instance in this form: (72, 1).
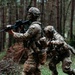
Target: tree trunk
(21, 9)
(34, 3)
(16, 11)
(63, 17)
(72, 15)
(26, 9)
(67, 10)
(58, 16)
(60, 20)
(42, 11)
(3, 33)
(10, 13)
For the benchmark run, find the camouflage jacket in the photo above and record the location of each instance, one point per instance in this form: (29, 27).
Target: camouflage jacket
(32, 35)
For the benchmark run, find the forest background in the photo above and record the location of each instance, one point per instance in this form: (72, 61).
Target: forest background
(58, 13)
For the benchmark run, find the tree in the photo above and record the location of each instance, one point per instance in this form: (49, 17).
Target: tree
(9, 19)
(63, 17)
(58, 16)
(72, 16)
(42, 11)
(35, 3)
(2, 35)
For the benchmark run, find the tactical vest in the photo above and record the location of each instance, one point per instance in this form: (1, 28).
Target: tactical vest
(28, 43)
(34, 37)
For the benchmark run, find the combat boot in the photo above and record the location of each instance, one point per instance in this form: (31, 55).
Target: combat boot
(73, 71)
(54, 72)
(26, 73)
(37, 72)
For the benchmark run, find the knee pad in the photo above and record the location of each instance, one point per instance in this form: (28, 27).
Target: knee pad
(73, 71)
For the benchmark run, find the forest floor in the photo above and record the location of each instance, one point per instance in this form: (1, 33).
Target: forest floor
(45, 68)
(7, 65)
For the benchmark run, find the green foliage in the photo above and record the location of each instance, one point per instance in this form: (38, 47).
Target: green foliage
(2, 54)
(45, 69)
(8, 67)
(72, 43)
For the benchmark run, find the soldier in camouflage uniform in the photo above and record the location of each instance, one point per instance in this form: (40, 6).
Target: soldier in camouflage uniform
(59, 50)
(32, 35)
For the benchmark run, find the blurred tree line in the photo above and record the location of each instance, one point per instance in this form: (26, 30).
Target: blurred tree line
(59, 13)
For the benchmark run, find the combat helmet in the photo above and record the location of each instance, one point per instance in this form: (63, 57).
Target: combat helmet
(49, 29)
(35, 11)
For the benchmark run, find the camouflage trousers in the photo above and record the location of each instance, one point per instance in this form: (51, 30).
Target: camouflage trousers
(66, 65)
(32, 64)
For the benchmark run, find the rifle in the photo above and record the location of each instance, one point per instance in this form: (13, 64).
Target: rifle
(19, 22)
(15, 26)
